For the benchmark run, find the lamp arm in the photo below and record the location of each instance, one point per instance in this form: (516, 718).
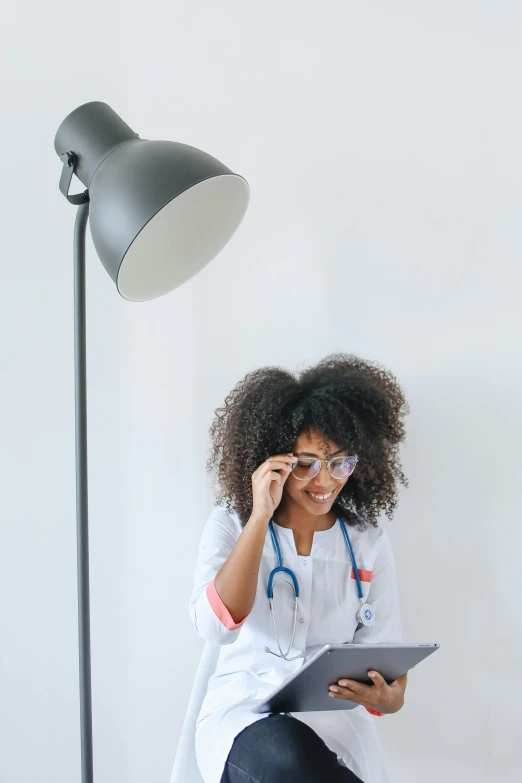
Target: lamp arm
(82, 508)
(69, 161)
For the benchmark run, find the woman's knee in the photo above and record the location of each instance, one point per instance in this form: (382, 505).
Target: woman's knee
(283, 747)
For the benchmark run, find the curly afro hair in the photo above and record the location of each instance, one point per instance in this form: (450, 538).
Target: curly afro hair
(354, 402)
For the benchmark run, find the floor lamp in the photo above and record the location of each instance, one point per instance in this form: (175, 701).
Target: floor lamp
(159, 212)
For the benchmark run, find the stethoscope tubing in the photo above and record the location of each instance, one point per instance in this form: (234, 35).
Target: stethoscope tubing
(352, 555)
(280, 567)
(366, 608)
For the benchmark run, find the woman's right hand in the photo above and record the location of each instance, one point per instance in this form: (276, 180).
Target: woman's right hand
(267, 484)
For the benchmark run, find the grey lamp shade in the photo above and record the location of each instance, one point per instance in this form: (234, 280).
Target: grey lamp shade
(159, 211)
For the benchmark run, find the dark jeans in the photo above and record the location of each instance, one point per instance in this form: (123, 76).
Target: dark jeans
(283, 749)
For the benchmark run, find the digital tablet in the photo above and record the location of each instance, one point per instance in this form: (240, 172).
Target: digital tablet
(306, 690)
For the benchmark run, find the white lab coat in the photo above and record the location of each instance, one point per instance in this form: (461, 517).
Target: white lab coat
(245, 674)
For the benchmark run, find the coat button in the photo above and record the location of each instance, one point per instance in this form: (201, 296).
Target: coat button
(301, 620)
(304, 562)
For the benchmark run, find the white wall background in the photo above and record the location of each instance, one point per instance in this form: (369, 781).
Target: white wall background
(381, 142)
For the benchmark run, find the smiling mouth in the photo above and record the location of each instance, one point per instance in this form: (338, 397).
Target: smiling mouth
(318, 498)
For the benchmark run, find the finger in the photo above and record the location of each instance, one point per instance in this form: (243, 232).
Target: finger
(270, 473)
(289, 458)
(275, 463)
(345, 693)
(352, 685)
(377, 678)
(280, 478)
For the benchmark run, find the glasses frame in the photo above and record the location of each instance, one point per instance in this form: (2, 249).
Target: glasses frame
(328, 461)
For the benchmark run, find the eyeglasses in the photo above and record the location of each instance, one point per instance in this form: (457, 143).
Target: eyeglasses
(306, 468)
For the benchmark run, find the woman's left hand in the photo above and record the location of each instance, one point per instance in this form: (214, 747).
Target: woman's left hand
(380, 696)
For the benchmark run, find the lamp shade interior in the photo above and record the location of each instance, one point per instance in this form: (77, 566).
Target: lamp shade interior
(183, 237)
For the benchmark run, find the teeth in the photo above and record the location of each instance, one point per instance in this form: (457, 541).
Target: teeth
(320, 497)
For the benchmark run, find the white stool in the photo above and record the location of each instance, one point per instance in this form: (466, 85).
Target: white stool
(185, 769)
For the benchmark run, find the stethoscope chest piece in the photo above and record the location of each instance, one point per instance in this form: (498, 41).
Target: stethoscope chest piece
(366, 614)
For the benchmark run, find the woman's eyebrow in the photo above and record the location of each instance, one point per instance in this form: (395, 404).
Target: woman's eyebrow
(309, 453)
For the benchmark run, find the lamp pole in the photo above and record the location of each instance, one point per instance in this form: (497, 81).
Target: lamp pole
(159, 211)
(82, 505)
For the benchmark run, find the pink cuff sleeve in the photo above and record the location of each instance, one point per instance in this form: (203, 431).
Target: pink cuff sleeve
(374, 712)
(220, 609)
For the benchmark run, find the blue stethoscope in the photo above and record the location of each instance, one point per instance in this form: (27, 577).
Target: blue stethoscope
(365, 614)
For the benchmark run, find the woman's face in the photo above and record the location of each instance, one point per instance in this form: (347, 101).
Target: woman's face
(323, 483)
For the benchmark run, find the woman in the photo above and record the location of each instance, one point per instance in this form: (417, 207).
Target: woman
(299, 456)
